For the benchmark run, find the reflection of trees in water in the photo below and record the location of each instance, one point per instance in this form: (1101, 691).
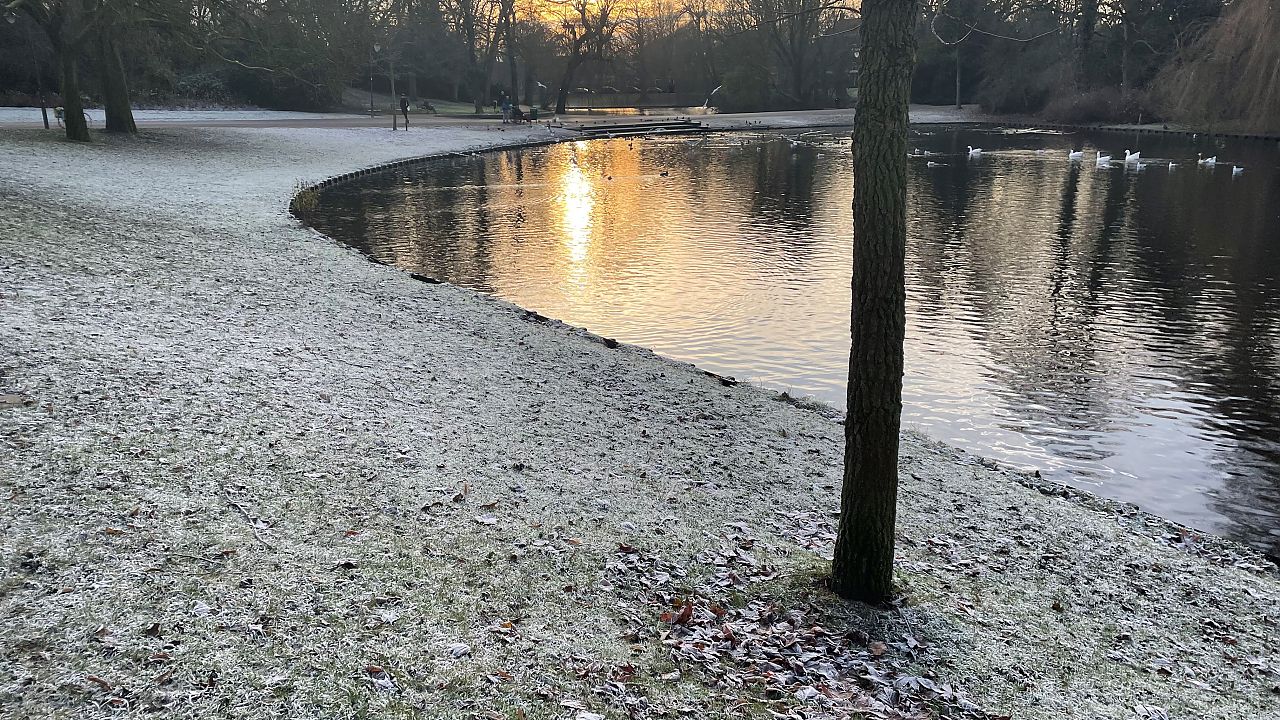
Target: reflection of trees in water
(1126, 263)
(783, 179)
(1000, 257)
(1219, 271)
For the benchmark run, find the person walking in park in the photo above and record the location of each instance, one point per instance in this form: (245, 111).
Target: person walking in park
(506, 109)
(404, 109)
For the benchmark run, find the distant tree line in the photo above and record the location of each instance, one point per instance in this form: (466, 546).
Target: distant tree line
(1105, 60)
(1072, 60)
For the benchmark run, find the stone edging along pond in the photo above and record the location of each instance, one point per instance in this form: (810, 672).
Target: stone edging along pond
(304, 196)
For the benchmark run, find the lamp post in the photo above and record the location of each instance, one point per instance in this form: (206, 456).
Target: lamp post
(372, 53)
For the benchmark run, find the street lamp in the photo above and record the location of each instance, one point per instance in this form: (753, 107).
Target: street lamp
(372, 52)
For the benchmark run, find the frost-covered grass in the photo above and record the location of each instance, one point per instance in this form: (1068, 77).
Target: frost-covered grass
(245, 473)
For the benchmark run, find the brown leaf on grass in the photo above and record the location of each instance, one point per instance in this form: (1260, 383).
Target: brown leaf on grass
(877, 648)
(113, 531)
(152, 630)
(685, 615)
(350, 533)
(99, 682)
(374, 669)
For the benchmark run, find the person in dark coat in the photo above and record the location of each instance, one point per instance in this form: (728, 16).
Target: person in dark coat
(404, 109)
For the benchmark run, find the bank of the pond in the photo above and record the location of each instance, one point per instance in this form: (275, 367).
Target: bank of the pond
(247, 473)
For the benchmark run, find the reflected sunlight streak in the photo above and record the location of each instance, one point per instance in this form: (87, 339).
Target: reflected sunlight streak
(577, 200)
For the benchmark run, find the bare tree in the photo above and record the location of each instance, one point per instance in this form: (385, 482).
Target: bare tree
(68, 24)
(863, 564)
(586, 31)
(482, 26)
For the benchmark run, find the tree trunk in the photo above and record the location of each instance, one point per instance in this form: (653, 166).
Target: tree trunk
(1084, 44)
(566, 81)
(528, 84)
(1124, 58)
(72, 107)
(395, 99)
(958, 105)
(863, 564)
(479, 90)
(511, 66)
(115, 86)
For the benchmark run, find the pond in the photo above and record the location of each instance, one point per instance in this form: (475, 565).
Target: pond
(1116, 328)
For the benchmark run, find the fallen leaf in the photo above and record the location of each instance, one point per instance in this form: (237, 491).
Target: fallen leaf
(99, 682)
(685, 615)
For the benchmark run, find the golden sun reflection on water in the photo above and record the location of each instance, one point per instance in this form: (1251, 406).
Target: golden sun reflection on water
(576, 201)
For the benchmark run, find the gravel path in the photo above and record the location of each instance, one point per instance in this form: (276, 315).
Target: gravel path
(246, 473)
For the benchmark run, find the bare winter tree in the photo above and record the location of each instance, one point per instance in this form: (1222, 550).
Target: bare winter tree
(482, 25)
(586, 30)
(863, 565)
(69, 25)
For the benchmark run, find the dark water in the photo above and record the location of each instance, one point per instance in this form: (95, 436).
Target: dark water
(1118, 329)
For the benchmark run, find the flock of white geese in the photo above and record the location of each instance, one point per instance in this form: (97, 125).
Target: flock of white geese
(1131, 160)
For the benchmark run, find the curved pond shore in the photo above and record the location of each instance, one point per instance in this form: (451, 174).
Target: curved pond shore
(247, 472)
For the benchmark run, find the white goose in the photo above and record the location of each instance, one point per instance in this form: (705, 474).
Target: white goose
(1102, 160)
(935, 164)
(1075, 154)
(974, 152)
(1131, 157)
(1172, 165)
(1202, 160)
(1236, 170)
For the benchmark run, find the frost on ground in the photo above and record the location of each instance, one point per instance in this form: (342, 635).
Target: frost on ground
(245, 473)
(25, 115)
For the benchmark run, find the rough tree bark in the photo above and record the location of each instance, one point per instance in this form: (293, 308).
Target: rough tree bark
(863, 564)
(115, 87)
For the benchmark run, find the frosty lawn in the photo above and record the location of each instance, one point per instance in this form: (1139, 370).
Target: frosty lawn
(246, 473)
